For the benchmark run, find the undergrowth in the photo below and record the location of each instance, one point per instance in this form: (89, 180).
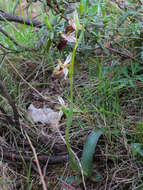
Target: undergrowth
(102, 95)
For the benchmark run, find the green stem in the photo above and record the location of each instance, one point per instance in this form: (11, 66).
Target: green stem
(70, 113)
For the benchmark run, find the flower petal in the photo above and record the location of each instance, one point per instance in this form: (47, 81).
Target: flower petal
(62, 102)
(68, 59)
(70, 37)
(65, 71)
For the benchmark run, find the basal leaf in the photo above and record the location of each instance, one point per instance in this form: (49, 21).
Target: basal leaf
(88, 151)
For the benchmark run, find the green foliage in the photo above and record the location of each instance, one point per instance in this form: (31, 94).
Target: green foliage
(105, 76)
(70, 113)
(88, 152)
(83, 6)
(137, 148)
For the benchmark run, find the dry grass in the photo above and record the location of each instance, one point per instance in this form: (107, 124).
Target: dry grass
(109, 96)
(113, 158)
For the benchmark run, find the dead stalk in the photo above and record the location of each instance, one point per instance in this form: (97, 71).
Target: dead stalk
(37, 162)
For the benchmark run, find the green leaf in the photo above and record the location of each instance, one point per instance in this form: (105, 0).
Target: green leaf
(124, 17)
(88, 152)
(72, 179)
(83, 6)
(96, 177)
(47, 22)
(15, 6)
(137, 148)
(140, 187)
(49, 43)
(131, 83)
(92, 10)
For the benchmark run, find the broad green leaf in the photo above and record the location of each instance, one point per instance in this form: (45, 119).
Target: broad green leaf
(88, 152)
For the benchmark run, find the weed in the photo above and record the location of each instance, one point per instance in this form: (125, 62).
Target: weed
(104, 92)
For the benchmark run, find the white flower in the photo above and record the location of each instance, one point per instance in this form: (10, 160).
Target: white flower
(70, 37)
(63, 105)
(62, 68)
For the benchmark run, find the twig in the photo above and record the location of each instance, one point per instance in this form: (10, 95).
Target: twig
(11, 102)
(141, 3)
(8, 17)
(8, 36)
(56, 10)
(43, 97)
(22, 48)
(9, 50)
(124, 55)
(15, 42)
(42, 158)
(2, 59)
(12, 18)
(4, 47)
(39, 45)
(37, 162)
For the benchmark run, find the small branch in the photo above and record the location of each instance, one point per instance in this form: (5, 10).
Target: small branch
(56, 10)
(37, 163)
(42, 158)
(22, 48)
(15, 42)
(141, 3)
(8, 36)
(40, 94)
(9, 50)
(4, 47)
(18, 19)
(11, 102)
(124, 55)
(2, 59)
